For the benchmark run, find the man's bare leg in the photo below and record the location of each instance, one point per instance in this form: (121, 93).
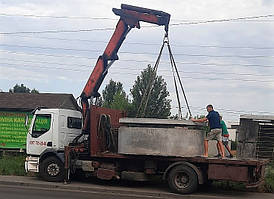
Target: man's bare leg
(221, 149)
(218, 148)
(206, 148)
(228, 149)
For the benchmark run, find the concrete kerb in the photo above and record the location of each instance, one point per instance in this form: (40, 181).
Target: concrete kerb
(34, 182)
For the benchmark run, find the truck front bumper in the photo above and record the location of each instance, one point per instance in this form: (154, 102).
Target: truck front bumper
(32, 164)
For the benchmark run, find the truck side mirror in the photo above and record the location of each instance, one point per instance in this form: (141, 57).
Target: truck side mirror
(26, 121)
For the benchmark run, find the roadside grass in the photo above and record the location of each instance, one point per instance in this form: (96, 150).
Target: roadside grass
(231, 186)
(12, 165)
(269, 178)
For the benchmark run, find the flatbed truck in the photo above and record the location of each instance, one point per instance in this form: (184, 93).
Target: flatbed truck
(96, 155)
(88, 142)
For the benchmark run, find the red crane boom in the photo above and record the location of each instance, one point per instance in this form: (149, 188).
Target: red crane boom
(130, 16)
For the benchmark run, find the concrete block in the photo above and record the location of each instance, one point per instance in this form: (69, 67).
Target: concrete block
(178, 141)
(150, 121)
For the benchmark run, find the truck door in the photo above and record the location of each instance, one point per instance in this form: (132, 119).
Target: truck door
(40, 136)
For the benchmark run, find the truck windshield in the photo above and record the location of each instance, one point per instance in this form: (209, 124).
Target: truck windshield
(41, 125)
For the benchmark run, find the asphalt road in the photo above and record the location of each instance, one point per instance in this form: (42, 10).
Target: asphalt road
(28, 192)
(22, 192)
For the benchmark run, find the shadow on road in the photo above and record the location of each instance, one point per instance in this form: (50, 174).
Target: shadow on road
(160, 186)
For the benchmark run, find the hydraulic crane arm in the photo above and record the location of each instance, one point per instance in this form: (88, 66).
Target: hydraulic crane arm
(130, 17)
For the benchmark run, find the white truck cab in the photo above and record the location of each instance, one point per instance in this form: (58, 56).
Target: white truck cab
(50, 131)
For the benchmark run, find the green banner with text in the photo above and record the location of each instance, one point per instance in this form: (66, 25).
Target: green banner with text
(13, 132)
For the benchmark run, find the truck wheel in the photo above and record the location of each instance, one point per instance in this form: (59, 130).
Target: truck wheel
(52, 169)
(182, 179)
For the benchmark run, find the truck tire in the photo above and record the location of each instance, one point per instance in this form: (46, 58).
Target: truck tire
(52, 169)
(182, 179)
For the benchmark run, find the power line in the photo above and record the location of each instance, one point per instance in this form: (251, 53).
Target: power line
(195, 107)
(245, 111)
(138, 61)
(229, 111)
(63, 31)
(56, 31)
(44, 67)
(230, 64)
(45, 62)
(48, 48)
(68, 17)
(206, 73)
(134, 68)
(122, 72)
(207, 78)
(57, 17)
(61, 39)
(47, 55)
(235, 111)
(202, 55)
(151, 44)
(229, 47)
(195, 21)
(223, 20)
(145, 53)
(105, 29)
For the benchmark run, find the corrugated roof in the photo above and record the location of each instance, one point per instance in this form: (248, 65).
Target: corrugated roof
(258, 117)
(29, 101)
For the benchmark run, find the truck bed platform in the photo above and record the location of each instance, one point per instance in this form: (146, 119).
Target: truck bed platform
(197, 159)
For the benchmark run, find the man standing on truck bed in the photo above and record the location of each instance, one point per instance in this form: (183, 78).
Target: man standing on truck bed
(225, 136)
(215, 132)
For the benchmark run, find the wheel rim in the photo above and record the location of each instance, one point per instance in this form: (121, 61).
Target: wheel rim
(53, 169)
(181, 180)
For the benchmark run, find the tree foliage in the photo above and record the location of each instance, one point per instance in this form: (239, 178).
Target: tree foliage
(22, 89)
(199, 116)
(115, 97)
(111, 89)
(158, 105)
(120, 102)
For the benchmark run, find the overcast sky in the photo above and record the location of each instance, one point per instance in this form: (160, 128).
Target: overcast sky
(228, 64)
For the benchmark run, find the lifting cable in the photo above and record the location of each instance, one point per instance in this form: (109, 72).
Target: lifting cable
(146, 95)
(176, 87)
(172, 60)
(143, 105)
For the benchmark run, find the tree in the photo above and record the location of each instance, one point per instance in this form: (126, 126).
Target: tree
(22, 89)
(115, 97)
(34, 91)
(111, 89)
(199, 116)
(120, 102)
(158, 105)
